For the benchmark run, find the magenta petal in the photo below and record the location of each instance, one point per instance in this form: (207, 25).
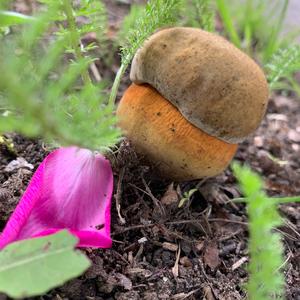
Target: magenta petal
(71, 189)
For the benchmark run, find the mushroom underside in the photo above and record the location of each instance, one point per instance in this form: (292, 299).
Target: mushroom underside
(178, 149)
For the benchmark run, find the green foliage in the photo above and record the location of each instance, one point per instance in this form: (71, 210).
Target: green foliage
(32, 267)
(8, 144)
(136, 11)
(186, 197)
(283, 64)
(254, 25)
(156, 14)
(40, 92)
(223, 9)
(199, 14)
(265, 246)
(8, 18)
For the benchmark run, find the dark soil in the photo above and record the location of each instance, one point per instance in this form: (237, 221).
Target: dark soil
(166, 252)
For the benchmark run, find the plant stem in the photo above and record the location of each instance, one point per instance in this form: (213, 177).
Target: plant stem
(75, 38)
(116, 84)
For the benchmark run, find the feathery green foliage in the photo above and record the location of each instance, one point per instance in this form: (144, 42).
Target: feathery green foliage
(266, 250)
(199, 14)
(157, 14)
(41, 93)
(283, 64)
(136, 11)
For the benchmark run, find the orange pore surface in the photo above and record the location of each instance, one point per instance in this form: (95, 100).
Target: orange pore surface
(177, 148)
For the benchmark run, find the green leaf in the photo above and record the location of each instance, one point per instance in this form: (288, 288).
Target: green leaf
(182, 202)
(191, 192)
(32, 267)
(8, 18)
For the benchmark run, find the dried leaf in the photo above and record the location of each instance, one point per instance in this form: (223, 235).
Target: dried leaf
(211, 255)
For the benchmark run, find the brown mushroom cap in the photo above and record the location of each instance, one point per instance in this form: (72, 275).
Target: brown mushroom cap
(178, 149)
(214, 85)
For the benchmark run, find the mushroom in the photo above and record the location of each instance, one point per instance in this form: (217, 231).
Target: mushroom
(194, 97)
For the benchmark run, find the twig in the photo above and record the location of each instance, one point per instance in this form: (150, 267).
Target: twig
(227, 237)
(175, 269)
(286, 234)
(183, 296)
(179, 222)
(134, 227)
(95, 72)
(227, 221)
(118, 196)
(292, 227)
(285, 262)
(240, 262)
(156, 202)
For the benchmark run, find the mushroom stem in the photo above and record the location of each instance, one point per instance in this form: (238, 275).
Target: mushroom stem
(157, 129)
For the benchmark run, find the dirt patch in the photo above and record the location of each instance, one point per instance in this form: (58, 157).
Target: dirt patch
(194, 252)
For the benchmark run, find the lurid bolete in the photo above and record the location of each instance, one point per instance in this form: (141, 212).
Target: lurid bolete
(194, 97)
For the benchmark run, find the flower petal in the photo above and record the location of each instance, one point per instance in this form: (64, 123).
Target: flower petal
(71, 189)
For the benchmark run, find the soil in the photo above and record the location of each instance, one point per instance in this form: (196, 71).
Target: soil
(165, 252)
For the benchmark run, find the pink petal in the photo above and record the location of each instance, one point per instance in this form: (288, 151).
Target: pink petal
(71, 189)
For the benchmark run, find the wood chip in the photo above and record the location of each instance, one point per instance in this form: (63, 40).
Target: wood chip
(240, 262)
(142, 240)
(277, 117)
(208, 294)
(124, 281)
(258, 141)
(170, 246)
(186, 262)
(294, 136)
(175, 269)
(170, 197)
(199, 246)
(211, 255)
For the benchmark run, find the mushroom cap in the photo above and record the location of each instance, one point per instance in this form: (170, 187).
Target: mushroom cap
(214, 85)
(178, 149)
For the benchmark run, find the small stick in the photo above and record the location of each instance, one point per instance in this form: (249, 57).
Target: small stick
(175, 269)
(240, 262)
(95, 72)
(179, 222)
(118, 196)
